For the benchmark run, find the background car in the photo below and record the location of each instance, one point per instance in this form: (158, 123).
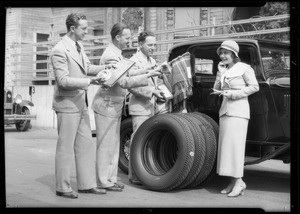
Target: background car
(16, 111)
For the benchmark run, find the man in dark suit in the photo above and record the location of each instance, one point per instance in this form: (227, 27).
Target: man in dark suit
(71, 67)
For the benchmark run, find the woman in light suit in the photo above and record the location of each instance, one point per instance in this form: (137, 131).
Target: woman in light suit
(235, 81)
(108, 105)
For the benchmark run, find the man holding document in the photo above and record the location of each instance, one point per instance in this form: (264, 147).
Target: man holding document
(108, 104)
(73, 74)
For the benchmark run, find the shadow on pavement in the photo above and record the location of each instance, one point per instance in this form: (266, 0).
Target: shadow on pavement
(269, 181)
(49, 180)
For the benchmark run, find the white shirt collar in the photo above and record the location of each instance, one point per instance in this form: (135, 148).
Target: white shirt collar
(144, 58)
(71, 41)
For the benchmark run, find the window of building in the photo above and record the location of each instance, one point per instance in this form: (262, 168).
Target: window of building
(170, 18)
(203, 20)
(42, 56)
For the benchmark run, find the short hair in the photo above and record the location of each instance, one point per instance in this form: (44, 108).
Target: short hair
(117, 29)
(73, 19)
(143, 35)
(235, 58)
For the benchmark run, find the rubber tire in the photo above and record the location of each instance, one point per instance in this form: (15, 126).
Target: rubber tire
(216, 131)
(179, 152)
(125, 135)
(200, 148)
(211, 149)
(24, 125)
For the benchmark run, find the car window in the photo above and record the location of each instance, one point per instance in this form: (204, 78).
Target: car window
(203, 66)
(275, 59)
(206, 58)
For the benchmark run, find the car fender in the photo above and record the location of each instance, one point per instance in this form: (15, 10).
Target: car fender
(25, 103)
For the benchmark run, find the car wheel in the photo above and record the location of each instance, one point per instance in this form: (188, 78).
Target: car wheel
(162, 152)
(125, 137)
(23, 125)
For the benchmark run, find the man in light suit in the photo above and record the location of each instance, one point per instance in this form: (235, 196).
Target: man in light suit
(143, 100)
(108, 105)
(71, 67)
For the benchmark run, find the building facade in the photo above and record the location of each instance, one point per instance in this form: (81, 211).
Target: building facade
(32, 32)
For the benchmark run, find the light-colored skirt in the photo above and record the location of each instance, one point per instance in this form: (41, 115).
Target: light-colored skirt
(231, 149)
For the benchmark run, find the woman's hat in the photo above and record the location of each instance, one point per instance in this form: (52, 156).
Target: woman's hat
(229, 45)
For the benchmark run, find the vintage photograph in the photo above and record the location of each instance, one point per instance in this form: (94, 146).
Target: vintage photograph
(148, 107)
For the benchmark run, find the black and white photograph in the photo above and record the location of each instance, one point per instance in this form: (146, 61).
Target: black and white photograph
(196, 115)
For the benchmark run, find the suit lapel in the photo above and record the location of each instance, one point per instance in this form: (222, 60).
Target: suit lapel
(73, 52)
(142, 62)
(237, 70)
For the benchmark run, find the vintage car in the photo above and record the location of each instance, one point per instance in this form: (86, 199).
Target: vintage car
(16, 111)
(163, 153)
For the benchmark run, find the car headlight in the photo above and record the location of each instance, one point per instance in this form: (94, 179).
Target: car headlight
(18, 98)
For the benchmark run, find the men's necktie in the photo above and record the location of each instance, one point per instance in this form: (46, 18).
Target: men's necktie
(149, 64)
(86, 98)
(78, 47)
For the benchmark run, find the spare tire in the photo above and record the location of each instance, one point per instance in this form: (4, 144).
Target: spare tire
(200, 148)
(164, 163)
(210, 131)
(215, 127)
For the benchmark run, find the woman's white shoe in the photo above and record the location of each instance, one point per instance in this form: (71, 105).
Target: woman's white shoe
(237, 190)
(228, 189)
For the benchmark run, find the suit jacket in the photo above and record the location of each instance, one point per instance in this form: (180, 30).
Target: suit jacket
(241, 82)
(109, 102)
(70, 70)
(142, 101)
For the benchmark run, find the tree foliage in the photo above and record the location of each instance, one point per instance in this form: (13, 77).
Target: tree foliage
(273, 9)
(269, 9)
(133, 17)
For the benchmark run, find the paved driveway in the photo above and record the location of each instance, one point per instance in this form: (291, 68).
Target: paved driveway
(30, 182)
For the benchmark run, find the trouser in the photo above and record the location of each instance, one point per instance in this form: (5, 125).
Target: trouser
(108, 147)
(163, 108)
(137, 121)
(74, 136)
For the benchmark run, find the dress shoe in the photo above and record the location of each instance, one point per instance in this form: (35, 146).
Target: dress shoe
(237, 190)
(67, 194)
(114, 188)
(93, 191)
(120, 185)
(136, 182)
(228, 189)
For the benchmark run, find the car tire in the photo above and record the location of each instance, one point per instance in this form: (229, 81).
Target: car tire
(23, 125)
(125, 136)
(215, 127)
(162, 152)
(200, 148)
(210, 131)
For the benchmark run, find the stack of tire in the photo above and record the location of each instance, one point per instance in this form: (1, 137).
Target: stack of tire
(175, 151)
